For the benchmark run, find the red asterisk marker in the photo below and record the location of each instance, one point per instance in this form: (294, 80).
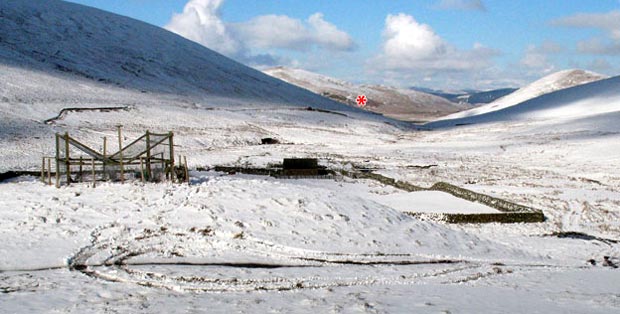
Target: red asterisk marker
(361, 100)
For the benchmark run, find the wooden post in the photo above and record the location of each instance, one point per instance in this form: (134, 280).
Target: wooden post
(180, 165)
(163, 167)
(186, 170)
(120, 153)
(171, 148)
(148, 156)
(57, 161)
(141, 170)
(49, 171)
(43, 170)
(92, 163)
(67, 162)
(81, 174)
(105, 152)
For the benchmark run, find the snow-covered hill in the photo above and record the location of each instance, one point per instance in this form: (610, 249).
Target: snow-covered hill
(599, 98)
(60, 37)
(553, 82)
(56, 54)
(241, 243)
(405, 104)
(472, 97)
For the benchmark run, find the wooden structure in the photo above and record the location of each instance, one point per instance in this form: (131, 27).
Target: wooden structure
(149, 158)
(300, 167)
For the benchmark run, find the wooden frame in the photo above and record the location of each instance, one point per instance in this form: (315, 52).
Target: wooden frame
(143, 155)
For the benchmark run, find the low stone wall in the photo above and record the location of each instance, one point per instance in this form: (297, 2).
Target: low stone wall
(499, 204)
(510, 212)
(516, 217)
(383, 179)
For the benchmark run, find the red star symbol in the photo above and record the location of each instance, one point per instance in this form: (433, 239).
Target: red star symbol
(361, 100)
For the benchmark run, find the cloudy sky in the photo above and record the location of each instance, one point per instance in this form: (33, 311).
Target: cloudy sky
(442, 44)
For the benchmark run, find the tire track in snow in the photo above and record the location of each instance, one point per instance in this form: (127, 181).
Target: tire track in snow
(113, 259)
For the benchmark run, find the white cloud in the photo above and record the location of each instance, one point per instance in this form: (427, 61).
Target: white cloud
(474, 5)
(602, 66)
(599, 46)
(412, 53)
(328, 35)
(536, 58)
(201, 22)
(409, 45)
(607, 22)
(252, 41)
(406, 39)
(280, 31)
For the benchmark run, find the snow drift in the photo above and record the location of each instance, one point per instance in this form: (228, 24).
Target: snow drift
(579, 102)
(550, 83)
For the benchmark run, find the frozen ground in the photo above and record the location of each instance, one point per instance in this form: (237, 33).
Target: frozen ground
(258, 244)
(251, 243)
(246, 243)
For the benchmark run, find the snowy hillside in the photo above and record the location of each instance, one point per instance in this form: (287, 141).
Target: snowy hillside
(402, 104)
(472, 97)
(553, 82)
(55, 55)
(60, 37)
(579, 102)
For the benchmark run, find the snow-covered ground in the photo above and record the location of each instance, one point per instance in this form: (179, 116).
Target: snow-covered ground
(240, 243)
(548, 84)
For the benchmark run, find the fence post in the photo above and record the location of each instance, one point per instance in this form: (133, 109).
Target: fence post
(92, 163)
(120, 153)
(148, 156)
(171, 143)
(43, 170)
(105, 152)
(163, 167)
(67, 162)
(49, 171)
(141, 170)
(186, 170)
(57, 161)
(81, 173)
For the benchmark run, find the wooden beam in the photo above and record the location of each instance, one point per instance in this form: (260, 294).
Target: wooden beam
(186, 170)
(171, 148)
(49, 171)
(67, 162)
(141, 170)
(92, 164)
(120, 152)
(105, 152)
(57, 161)
(148, 157)
(43, 169)
(81, 173)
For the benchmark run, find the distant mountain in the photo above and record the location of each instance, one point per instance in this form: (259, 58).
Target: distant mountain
(486, 97)
(472, 97)
(397, 103)
(553, 82)
(594, 105)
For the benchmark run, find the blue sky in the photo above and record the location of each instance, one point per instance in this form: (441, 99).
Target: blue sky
(444, 44)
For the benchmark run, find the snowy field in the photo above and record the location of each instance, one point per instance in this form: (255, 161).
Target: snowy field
(256, 244)
(230, 243)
